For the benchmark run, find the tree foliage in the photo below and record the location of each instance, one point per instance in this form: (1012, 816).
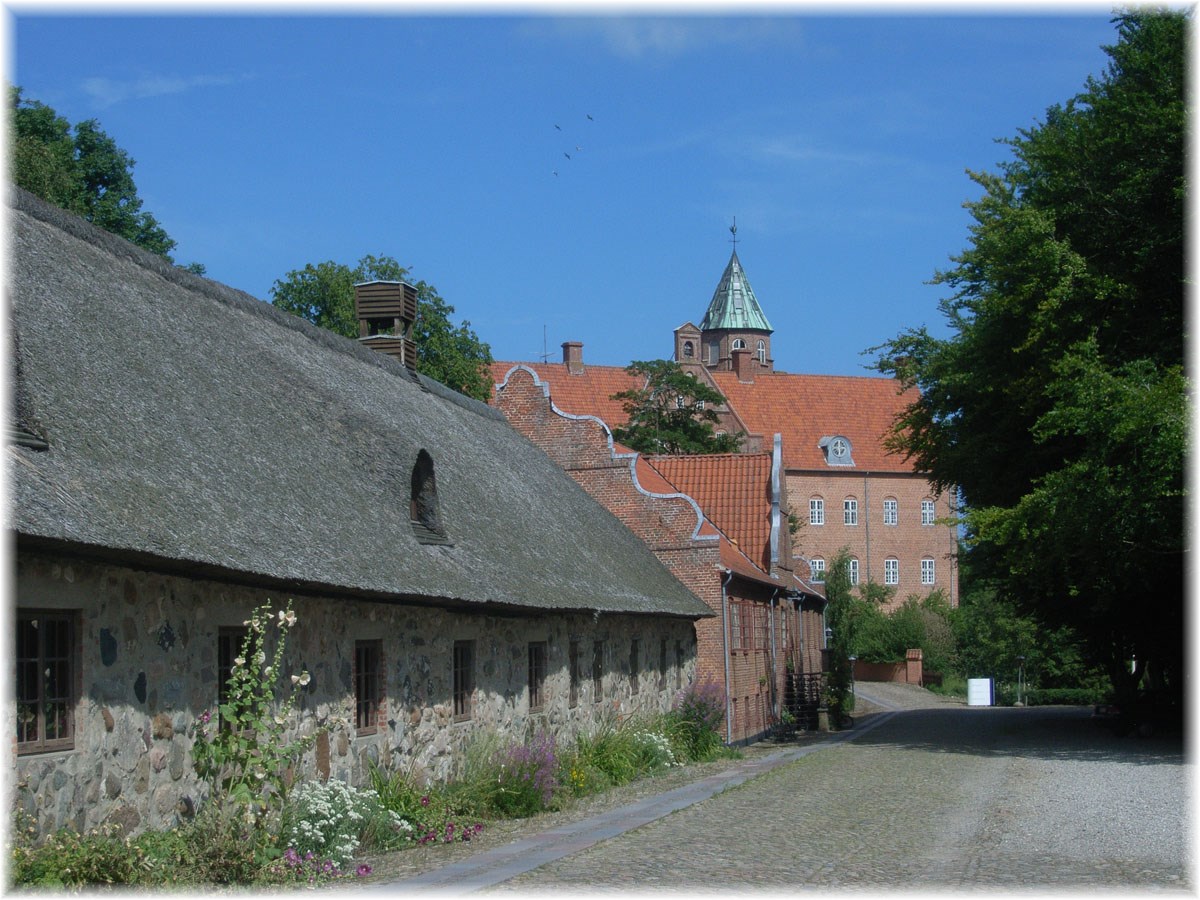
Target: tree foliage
(672, 412)
(1058, 405)
(81, 170)
(324, 295)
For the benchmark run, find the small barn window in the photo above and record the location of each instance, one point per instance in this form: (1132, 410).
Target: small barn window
(537, 675)
(230, 642)
(368, 685)
(576, 673)
(634, 670)
(424, 511)
(464, 678)
(597, 670)
(47, 680)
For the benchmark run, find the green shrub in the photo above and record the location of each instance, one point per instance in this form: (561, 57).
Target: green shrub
(526, 777)
(1084, 696)
(438, 813)
(330, 819)
(70, 859)
(693, 727)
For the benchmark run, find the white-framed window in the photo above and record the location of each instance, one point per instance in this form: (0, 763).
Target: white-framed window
(891, 512)
(926, 512)
(738, 344)
(680, 401)
(816, 511)
(891, 571)
(850, 511)
(852, 569)
(927, 571)
(817, 569)
(762, 352)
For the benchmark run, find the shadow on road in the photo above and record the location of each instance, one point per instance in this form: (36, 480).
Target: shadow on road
(1048, 732)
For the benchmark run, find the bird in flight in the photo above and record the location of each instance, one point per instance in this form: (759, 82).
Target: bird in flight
(590, 119)
(559, 127)
(567, 155)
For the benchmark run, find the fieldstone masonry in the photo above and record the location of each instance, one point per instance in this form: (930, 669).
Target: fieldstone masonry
(146, 668)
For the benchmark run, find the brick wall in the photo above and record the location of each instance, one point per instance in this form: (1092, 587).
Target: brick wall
(871, 541)
(667, 525)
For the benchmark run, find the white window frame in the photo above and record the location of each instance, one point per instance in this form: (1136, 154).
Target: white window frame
(816, 511)
(761, 352)
(928, 571)
(850, 511)
(852, 569)
(927, 512)
(738, 344)
(891, 570)
(891, 512)
(816, 568)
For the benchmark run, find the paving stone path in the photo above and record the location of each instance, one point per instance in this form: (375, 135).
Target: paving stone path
(921, 793)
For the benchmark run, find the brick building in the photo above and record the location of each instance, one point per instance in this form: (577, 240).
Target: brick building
(846, 489)
(717, 523)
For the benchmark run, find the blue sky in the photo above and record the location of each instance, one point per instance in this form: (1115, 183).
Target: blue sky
(840, 143)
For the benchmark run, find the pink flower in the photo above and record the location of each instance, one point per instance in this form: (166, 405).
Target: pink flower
(206, 717)
(363, 871)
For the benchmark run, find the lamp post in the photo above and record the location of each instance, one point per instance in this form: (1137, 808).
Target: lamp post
(853, 660)
(1020, 679)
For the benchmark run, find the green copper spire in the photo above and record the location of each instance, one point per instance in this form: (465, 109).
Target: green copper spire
(733, 305)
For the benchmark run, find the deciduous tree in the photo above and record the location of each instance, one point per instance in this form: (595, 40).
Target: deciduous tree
(1057, 407)
(84, 172)
(672, 412)
(324, 295)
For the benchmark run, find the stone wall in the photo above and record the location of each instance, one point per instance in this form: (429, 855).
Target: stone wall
(147, 668)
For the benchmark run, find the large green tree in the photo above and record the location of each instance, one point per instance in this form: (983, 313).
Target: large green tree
(1057, 407)
(672, 412)
(324, 295)
(81, 170)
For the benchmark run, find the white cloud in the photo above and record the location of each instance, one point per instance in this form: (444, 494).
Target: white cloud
(637, 37)
(107, 91)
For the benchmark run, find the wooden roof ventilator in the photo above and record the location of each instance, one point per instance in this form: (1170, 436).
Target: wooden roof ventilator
(387, 311)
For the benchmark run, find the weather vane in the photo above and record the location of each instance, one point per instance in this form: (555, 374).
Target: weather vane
(733, 231)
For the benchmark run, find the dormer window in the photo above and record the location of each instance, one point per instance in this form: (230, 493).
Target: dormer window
(837, 450)
(424, 511)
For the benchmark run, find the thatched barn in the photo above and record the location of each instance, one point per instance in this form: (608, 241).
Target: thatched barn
(181, 453)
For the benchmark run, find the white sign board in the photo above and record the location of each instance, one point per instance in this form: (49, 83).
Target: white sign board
(979, 692)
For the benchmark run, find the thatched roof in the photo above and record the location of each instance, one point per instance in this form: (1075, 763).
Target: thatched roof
(191, 426)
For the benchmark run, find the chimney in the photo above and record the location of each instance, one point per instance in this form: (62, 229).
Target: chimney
(744, 365)
(573, 357)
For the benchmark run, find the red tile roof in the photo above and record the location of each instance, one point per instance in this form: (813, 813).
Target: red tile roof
(587, 394)
(806, 408)
(733, 489)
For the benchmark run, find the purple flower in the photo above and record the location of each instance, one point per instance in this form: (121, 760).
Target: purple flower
(425, 801)
(363, 871)
(206, 717)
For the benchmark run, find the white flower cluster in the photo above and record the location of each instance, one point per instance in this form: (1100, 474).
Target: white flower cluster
(326, 819)
(659, 745)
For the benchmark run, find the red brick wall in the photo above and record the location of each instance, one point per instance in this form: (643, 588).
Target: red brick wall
(666, 525)
(871, 541)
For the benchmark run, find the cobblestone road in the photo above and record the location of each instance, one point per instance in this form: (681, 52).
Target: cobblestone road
(946, 797)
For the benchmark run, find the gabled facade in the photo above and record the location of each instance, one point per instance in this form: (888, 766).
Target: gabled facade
(717, 524)
(181, 454)
(846, 489)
